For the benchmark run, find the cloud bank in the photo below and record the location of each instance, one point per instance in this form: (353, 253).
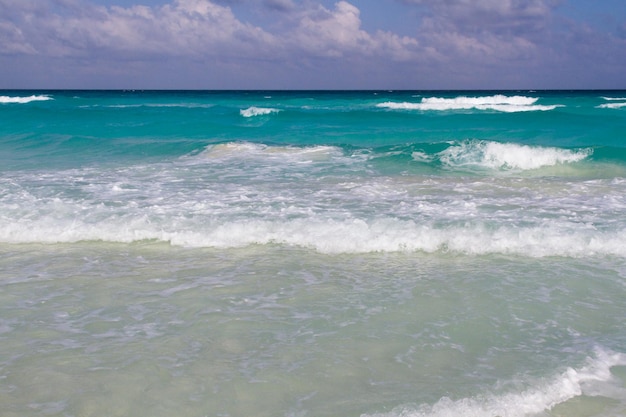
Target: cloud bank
(289, 44)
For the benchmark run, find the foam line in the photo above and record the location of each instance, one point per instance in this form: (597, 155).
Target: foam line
(23, 100)
(325, 236)
(496, 155)
(589, 379)
(257, 111)
(501, 103)
(611, 105)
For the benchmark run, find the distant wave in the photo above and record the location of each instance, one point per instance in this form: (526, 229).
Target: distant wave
(23, 100)
(257, 111)
(593, 378)
(181, 105)
(501, 103)
(612, 105)
(504, 156)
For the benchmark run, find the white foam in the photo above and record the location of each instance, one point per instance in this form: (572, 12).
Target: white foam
(590, 379)
(421, 156)
(498, 102)
(240, 194)
(503, 156)
(23, 100)
(315, 232)
(257, 111)
(612, 105)
(286, 154)
(614, 98)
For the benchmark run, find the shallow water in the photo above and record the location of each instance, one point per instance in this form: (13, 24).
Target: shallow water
(148, 329)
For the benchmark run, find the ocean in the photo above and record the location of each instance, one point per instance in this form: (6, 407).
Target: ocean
(313, 253)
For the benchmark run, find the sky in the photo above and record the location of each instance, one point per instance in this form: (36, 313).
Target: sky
(313, 44)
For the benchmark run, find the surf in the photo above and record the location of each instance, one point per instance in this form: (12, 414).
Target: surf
(507, 156)
(592, 379)
(23, 100)
(257, 111)
(499, 103)
(206, 227)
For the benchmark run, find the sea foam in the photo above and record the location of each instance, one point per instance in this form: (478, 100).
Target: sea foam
(323, 235)
(283, 155)
(612, 105)
(506, 156)
(23, 100)
(257, 111)
(593, 378)
(498, 102)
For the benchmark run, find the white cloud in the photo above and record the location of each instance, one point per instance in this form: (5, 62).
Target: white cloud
(486, 31)
(332, 33)
(184, 28)
(14, 41)
(338, 33)
(192, 28)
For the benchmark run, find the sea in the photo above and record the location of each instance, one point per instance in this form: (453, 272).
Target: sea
(312, 253)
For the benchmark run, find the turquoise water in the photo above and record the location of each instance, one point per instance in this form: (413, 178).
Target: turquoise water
(313, 253)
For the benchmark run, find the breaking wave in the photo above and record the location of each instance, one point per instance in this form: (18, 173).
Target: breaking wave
(505, 156)
(612, 105)
(257, 111)
(593, 378)
(319, 233)
(23, 100)
(501, 103)
(276, 154)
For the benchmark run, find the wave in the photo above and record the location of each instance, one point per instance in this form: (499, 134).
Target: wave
(593, 378)
(318, 233)
(612, 105)
(504, 156)
(330, 199)
(501, 103)
(257, 111)
(23, 100)
(157, 105)
(464, 155)
(284, 154)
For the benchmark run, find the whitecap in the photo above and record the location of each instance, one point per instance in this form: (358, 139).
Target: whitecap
(507, 156)
(285, 154)
(501, 103)
(612, 105)
(23, 100)
(257, 111)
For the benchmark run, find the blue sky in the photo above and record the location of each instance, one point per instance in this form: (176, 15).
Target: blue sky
(313, 44)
